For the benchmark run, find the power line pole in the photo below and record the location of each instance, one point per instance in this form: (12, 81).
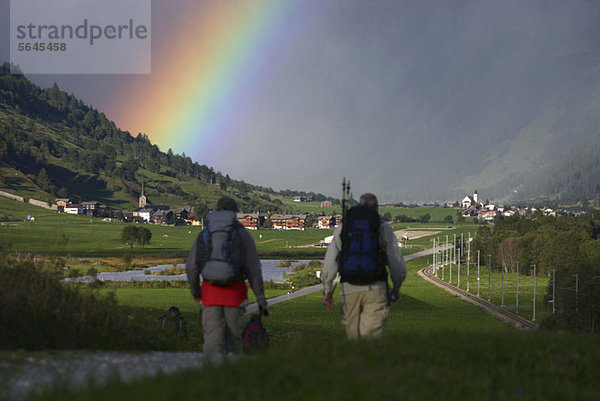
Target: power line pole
(517, 306)
(576, 292)
(447, 253)
(502, 291)
(454, 250)
(478, 272)
(490, 277)
(433, 254)
(534, 277)
(459, 257)
(468, 260)
(553, 291)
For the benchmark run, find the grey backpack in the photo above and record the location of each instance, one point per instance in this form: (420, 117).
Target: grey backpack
(221, 250)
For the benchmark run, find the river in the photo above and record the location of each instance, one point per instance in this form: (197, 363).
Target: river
(269, 267)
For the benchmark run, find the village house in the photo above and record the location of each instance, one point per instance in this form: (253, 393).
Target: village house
(288, 221)
(163, 217)
(469, 201)
(182, 215)
(470, 211)
(303, 198)
(145, 214)
(252, 221)
(487, 215)
(94, 208)
(326, 222)
(91, 208)
(549, 212)
(326, 203)
(74, 209)
(62, 203)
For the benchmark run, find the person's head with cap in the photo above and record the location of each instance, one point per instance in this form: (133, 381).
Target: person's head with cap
(227, 203)
(174, 310)
(369, 200)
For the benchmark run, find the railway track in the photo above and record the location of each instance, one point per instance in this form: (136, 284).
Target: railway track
(500, 313)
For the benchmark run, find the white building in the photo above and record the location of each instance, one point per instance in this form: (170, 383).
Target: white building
(74, 209)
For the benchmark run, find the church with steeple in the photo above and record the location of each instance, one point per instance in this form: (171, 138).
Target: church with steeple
(142, 201)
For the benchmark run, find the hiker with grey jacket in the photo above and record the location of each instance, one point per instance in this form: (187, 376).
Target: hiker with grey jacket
(361, 248)
(222, 258)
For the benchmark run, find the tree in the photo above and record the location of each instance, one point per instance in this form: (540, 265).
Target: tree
(425, 218)
(402, 218)
(63, 193)
(387, 216)
(448, 219)
(507, 254)
(144, 235)
(129, 235)
(43, 180)
(310, 221)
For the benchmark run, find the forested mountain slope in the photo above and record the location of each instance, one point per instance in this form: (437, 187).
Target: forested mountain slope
(54, 145)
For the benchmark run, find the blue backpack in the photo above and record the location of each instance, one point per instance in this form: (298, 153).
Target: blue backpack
(361, 260)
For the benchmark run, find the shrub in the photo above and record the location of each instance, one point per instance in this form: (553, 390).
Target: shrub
(305, 274)
(127, 258)
(37, 311)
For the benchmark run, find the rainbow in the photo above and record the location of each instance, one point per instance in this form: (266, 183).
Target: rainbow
(200, 72)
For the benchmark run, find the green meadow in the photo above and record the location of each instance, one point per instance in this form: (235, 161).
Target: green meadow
(63, 234)
(434, 347)
(79, 236)
(490, 287)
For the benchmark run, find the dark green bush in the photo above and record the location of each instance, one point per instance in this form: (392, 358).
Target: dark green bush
(37, 311)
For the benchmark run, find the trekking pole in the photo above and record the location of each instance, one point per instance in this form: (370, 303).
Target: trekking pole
(345, 198)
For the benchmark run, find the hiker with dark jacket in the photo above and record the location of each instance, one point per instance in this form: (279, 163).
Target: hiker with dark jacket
(361, 248)
(222, 258)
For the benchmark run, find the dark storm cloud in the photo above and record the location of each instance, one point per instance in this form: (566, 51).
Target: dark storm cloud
(407, 98)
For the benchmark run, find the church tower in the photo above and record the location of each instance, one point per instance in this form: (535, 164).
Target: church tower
(142, 201)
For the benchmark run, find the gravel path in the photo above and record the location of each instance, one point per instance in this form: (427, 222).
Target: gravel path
(23, 373)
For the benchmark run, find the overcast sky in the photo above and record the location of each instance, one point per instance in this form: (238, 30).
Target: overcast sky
(402, 97)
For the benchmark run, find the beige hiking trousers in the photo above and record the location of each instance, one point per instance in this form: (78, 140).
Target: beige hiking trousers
(364, 313)
(223, 327)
